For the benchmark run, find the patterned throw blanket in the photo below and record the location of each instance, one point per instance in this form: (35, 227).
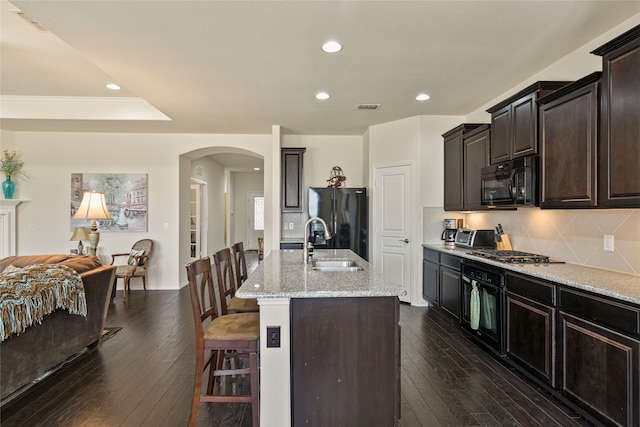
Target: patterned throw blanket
(30, 293)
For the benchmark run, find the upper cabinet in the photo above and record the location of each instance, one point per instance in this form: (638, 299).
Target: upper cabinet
(292, 183)
(453, 166)
(569, 119)
(514, 122)
(619, 170)
(475, 156)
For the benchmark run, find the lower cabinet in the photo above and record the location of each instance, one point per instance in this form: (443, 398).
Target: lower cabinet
(441, 281)
(531, 326)
(599, 356)
(583, 347)
(450, 285)
(345, 361)
(431, 276)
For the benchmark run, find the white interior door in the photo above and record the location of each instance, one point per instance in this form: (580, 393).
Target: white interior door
(392, 219)
(255, 220)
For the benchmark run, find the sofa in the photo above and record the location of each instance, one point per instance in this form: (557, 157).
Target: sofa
(39, 348)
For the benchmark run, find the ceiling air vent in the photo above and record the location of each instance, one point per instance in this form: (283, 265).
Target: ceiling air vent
(368, 106)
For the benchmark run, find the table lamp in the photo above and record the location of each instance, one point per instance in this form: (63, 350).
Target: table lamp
(80, 234)
(94, 207)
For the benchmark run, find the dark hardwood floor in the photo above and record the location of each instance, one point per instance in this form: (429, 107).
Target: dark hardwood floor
(143, 376)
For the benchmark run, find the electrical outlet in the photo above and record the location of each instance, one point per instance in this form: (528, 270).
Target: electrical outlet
(608, 243)
(273, 336)
(290, 226)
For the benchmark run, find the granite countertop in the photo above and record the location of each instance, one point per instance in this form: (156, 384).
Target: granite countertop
(622, 286)
(282, 274)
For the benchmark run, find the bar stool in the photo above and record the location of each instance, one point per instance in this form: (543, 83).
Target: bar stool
(260, 249)
(241, 263)
(227, 286)
(220, 334)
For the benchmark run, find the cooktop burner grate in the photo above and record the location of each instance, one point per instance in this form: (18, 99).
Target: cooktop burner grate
(515, 257)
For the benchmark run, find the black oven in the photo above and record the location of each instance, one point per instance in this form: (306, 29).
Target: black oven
(483, 304)
(512, 183)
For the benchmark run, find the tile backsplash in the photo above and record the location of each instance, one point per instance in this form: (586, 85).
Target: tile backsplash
(297, 221)
(575, 236)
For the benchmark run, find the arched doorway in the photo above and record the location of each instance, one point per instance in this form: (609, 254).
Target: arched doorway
(230, 173)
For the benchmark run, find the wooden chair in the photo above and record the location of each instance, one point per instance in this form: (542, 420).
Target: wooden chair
(240, 263)
(260, 249)
(137, 265)
(229, 303)
(216, 335)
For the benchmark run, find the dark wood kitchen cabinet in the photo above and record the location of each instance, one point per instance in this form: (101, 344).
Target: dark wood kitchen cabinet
(599, 356)
(514, 122)
(531, 326)
(569, 124)
(292, 183)
(431, 276)
(619, 173)
(441, 281)
(347, 376)
(476, 144)
(449, 285)
(454, 166)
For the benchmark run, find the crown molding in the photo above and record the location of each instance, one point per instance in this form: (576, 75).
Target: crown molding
(77, 108)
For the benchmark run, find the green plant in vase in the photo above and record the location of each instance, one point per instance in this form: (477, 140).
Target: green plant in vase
(10, 166)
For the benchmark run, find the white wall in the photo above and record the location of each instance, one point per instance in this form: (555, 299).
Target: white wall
(51, 157)
(213, 175)
(417, 140)
(571, 235)
(326, 151)
(573, 66)
(243, 184)
(323, 152)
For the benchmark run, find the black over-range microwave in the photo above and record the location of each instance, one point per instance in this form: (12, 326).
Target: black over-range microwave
(512, 183)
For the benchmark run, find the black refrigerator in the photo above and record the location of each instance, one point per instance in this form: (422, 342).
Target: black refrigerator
(345, 212)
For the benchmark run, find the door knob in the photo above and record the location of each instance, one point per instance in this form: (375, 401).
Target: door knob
(405, 240)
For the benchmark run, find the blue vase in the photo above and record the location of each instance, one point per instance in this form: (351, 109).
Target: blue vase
(7, 188)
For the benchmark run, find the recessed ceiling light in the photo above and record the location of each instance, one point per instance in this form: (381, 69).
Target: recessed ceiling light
(322, 95)
(113, 86)
(332, 47)
(256, 169)
(422, 97)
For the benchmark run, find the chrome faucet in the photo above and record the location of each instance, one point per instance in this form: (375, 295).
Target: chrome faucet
(305, 245)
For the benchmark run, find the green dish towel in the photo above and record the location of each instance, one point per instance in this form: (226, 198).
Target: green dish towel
(475, 306)
(488, 310)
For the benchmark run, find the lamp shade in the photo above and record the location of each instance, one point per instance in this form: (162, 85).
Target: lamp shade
(80, 233)
(93, 206)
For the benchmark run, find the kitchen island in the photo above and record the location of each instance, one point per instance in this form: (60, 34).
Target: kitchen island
(331, 356)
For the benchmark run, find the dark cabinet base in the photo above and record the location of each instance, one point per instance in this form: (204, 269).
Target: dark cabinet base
(604, 370)
(345, 356)
(530, 332)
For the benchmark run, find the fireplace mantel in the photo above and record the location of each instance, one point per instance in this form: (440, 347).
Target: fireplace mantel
(8, 226)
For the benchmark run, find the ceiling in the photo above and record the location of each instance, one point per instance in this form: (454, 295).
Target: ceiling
(243, 66)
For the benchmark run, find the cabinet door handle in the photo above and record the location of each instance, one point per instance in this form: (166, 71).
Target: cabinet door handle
(404, 240)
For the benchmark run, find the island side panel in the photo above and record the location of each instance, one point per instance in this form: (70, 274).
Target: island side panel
(345, 361)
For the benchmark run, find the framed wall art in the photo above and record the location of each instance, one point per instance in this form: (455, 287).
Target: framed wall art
(126, 195)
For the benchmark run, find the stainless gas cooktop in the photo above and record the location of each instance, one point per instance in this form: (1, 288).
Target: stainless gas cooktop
(514, 257)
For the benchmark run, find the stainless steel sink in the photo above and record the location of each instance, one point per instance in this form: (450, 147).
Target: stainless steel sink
(335, 265)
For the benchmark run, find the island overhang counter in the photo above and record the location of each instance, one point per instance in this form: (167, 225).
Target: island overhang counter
(337, 362)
